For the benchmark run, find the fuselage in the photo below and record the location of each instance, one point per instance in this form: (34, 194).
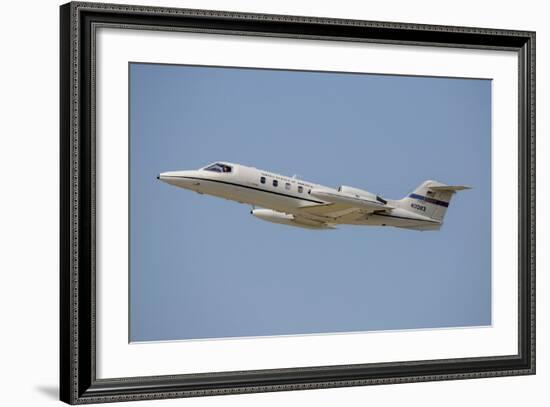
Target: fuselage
(248, 185)
(288, 195)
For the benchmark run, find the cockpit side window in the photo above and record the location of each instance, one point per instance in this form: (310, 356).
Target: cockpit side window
(219, 167)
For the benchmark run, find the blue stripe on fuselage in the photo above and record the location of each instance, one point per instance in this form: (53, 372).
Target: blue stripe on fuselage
(429, 200)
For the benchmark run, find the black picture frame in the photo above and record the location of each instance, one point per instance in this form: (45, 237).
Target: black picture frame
(78, 382)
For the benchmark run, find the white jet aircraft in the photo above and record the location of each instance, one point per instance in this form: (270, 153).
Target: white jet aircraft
(290, 201)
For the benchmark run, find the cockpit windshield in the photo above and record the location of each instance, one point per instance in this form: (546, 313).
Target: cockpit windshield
(218, 167)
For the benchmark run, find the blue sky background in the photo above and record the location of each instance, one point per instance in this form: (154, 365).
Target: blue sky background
(203, 267)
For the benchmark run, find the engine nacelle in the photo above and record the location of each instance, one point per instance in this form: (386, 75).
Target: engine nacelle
(359, 193)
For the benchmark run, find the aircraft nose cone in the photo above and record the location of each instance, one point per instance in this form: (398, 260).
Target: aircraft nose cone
(163, 176)
(168, 177)
(182, 179)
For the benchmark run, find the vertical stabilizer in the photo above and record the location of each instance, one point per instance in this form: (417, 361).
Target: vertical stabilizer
(430, 199)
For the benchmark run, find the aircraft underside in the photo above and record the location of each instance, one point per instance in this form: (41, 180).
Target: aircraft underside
(298, 219)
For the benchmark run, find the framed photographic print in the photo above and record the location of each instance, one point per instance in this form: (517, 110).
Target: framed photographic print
(255, 203)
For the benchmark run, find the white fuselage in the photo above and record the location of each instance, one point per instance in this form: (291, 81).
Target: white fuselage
(283, 194)
(244, 185)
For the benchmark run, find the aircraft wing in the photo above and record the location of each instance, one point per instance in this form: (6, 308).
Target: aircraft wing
(340, 204)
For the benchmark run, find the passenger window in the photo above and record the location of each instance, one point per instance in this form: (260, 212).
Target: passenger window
(287, 185)
(300, 189)
(275, 182)
(262, 180)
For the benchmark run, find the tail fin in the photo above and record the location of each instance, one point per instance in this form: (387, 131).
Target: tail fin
(430, 199)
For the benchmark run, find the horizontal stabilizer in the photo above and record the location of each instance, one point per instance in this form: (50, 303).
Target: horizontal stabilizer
(423, 228)
(449, 188)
